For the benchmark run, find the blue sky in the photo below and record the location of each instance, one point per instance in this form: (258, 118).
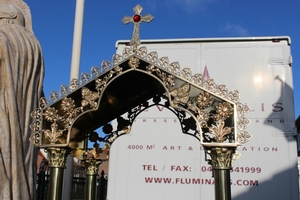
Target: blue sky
(53, 25)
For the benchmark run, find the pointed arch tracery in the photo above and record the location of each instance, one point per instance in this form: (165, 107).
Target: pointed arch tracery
(128, 82)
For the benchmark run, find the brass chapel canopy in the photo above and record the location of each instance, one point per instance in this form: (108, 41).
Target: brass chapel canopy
(215, 115)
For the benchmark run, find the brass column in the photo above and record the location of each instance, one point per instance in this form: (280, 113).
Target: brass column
(57, 163)
(91, 172)
(221, 159)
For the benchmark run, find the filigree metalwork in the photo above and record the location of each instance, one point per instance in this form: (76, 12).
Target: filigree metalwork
(117, 59)
(51, 114)
(142, 52)
(167, 79)
(36, 126)
(101, 83)
(181, 94)
(134, 62)
(152, 57)
(127, 52)
(224, 110)
(186, 73)
(242, 109)
(54, 133)
(96, 151)
(210, 85)
(243, 137)
(57, 157)
(85, 77)
(91, 166)
(204, 100)
(222, 90)
(163, 62)
(89, 98)
(74, 84)
(167, 73)
(234, 96)
(243, 122)
(175, 68)
(64, 89)
(136, 19)
(203, 118)
(219, 131)
(221, 157)
(68, 105)
(197, 79)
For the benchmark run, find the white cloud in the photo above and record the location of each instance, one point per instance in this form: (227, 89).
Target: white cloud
(235, 30)
(152, 4)
(190, 6)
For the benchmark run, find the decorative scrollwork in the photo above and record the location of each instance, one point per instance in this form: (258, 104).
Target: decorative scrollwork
(89, 98)
(85, 77)
(74, 84)
(54, 133)
(51, 114)
(167, 79)
(181, 94)
(57, 157)
(210, 85)
(219, 131)
(222, 90)
(152, 57)
(204, 100)
(117, 59)
(224, 110)
(234, 96)
(243, 122)
(142, 52)
(221, 157)
(243, 137)
(101, 83)
(186, 73)
(127, 52)
(219, 113)
(197, 79)
(68, 105)
(163, 62)
(175, 68)
(134, 62)
(91, 166)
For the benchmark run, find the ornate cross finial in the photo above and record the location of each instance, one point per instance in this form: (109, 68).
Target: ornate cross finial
(136, 19)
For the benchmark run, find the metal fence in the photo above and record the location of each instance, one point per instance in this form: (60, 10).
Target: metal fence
(78, 187)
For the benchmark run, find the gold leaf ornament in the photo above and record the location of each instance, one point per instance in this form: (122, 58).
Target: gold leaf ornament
(224, 110)
(220, 131)
(181, 95)
(67, 105)
(53, 134)
(89, 98)
(204, 100)
(51, 114)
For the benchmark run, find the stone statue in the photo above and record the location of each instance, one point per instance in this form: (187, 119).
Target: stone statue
(21, 77)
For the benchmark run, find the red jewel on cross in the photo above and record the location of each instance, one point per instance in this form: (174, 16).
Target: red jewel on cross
(136, 18)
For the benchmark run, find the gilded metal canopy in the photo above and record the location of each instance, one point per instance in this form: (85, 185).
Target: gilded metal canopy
(126, 85)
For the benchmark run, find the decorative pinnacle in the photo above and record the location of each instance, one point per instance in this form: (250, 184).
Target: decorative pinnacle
(136, 19)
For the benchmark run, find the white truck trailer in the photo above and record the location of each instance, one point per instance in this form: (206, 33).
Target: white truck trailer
(155, 161)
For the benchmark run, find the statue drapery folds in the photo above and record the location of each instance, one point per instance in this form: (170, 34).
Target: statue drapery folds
(21, 77)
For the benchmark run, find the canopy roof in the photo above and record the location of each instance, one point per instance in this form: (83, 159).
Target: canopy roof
(126, 85)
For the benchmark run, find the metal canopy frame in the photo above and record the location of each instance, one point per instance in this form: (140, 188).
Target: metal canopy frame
(215, 116)
(130, 81)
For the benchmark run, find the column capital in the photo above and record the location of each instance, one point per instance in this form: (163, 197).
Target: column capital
(221, 157)
(57, 157)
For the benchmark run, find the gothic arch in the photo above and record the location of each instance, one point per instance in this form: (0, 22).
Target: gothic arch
(129, 81)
